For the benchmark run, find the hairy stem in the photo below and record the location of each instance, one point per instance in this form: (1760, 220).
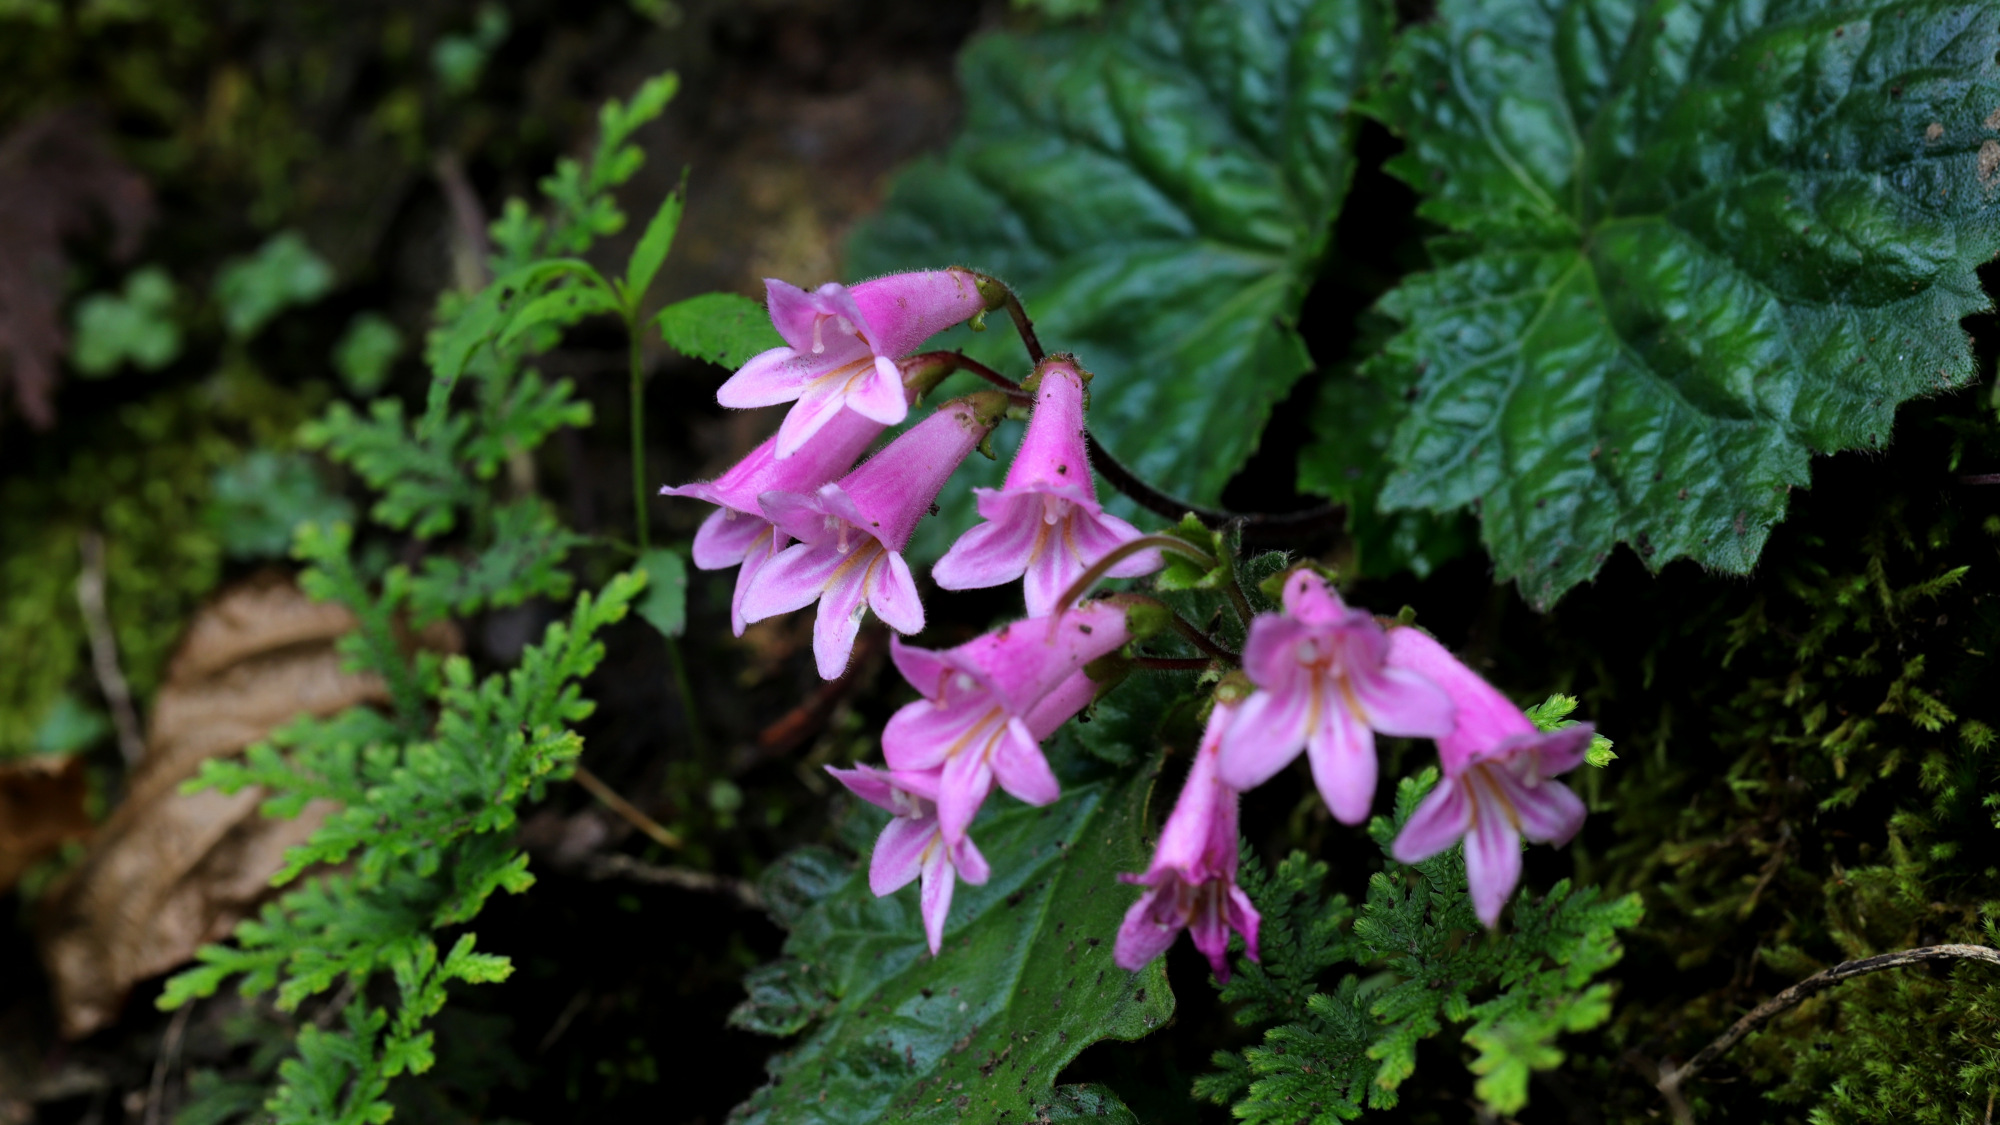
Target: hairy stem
(959, 361)
(1194, 636)
(1671, 1081)
(1263, 529)
(1173, 663)
(1125, 551)
(999, 293)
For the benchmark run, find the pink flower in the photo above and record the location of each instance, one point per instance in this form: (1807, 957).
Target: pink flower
(852, 533)
(1496, 788)
(911, 846)
(1322, 684)
(842, 345)
(1192, 879)
(1045, 521)
(737, 532)
(989, 703)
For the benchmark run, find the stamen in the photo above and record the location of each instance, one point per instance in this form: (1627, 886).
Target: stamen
(819, 345)
(1054, 508)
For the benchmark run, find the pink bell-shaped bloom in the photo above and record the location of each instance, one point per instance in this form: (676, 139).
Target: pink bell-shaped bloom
(841, 347)
(1497, 770)
(1323, 684)
(1191, 883)
(851, 534)
(737, 532)
(988, 704)
(912, 847)
(1045, 521)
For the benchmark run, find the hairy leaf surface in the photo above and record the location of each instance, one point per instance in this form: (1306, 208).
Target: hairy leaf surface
(1024, 984)
(1700, 241)
(1161, 194)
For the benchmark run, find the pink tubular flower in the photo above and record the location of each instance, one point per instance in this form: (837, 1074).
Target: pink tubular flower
(852, 533)
(911, 846)
(989, 703)
(737, 532)
(1323, 685)
(1496, 788)
(842, 345)
(1191, 883)
(1045, 521)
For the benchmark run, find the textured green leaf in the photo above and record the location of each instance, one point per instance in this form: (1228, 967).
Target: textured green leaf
(721, 328)
(366, 352)
(1161, 193)
(665, 604)
(1701, 241)
(652, 250)
(136, 326)
(1025, 982)
(282, 273)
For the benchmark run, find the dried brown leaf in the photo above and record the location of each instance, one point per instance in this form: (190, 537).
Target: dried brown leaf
(170, 870)
(42, 807)
(57, 176)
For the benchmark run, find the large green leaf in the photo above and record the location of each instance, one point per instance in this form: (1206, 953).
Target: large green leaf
(1025, 982)
(1701, 241)
(1161, 193)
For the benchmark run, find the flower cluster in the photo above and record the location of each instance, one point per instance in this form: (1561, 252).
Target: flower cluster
(806, 525)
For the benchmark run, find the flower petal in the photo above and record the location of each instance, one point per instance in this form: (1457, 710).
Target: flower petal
(934, 899)
(1342, 753)
(920, 734)
(966, 782)
(1244, 919)
(761, 553)
(1492, 860)
(1401, 702)
(793, 580)
(1548, 812)
(1020, 769)
(793, 312)
(1268, 732)
(1061, 705)
(899, 854)
(1148, 929)
(725, 537)
(1438, 823)
(815, 408)
(993, 553)
(840, 609)
(971, 865)
(1210, 931)
(892, 593)
(767, 379)
(878, 395)
(903, 310)
(1271, 652)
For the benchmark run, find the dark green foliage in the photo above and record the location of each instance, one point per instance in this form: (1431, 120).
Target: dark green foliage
(1024, 984)
(721, 328)
(1694, 243)
(1428, 962)
(1160, 192)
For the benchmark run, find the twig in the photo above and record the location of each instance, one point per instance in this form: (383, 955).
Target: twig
(991, 288)
(468, 223)
(944, 363)
(687, 879)
(1262, 529)
(104, 650)
(1173, 663)
(1671, 1080)
(1980, 478)
(170, 1049)
(1194, 636)
(626, 809)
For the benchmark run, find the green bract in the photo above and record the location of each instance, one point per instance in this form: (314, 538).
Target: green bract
(980, 1032)
(1160, 193)
(1697, 243)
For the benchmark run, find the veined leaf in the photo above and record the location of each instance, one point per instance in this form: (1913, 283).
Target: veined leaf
(1160, 193)
(721, 328)
(1701, 240)
(654, 245)
(1025, 982)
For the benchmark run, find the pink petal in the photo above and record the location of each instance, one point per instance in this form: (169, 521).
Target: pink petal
(1210, 932)
(1061, 705)
(1052, 451)
(1438, 823)
(793, 312)
(1052, 568)
(1401, 702)
(970, 864)
(813, 412)
(769, 378)
(1548, 812)
(925, 669)
(991, 554)
(935, 898)
(1021, 770)
(1271, 652)
(1482, 717)
(840, 609)
(793, 580)
(894, 489)
(1342, 753)
(1244, 919)
(1093, 535)
(1492, 860)
(1309, 599)
(761, 553)
(919, 735)
(1268, 732)
(903, 310)
(899, 854)
(868, 783)
(964, 787)
(725, 537)
(1560, 751)
(879, 395)
(1149, 928)
(1189, 832)
(892, 594)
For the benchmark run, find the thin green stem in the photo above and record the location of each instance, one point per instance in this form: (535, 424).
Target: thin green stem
(1122, 552)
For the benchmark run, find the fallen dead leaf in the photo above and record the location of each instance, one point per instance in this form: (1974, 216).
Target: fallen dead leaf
(41, 809)
(170, 870)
